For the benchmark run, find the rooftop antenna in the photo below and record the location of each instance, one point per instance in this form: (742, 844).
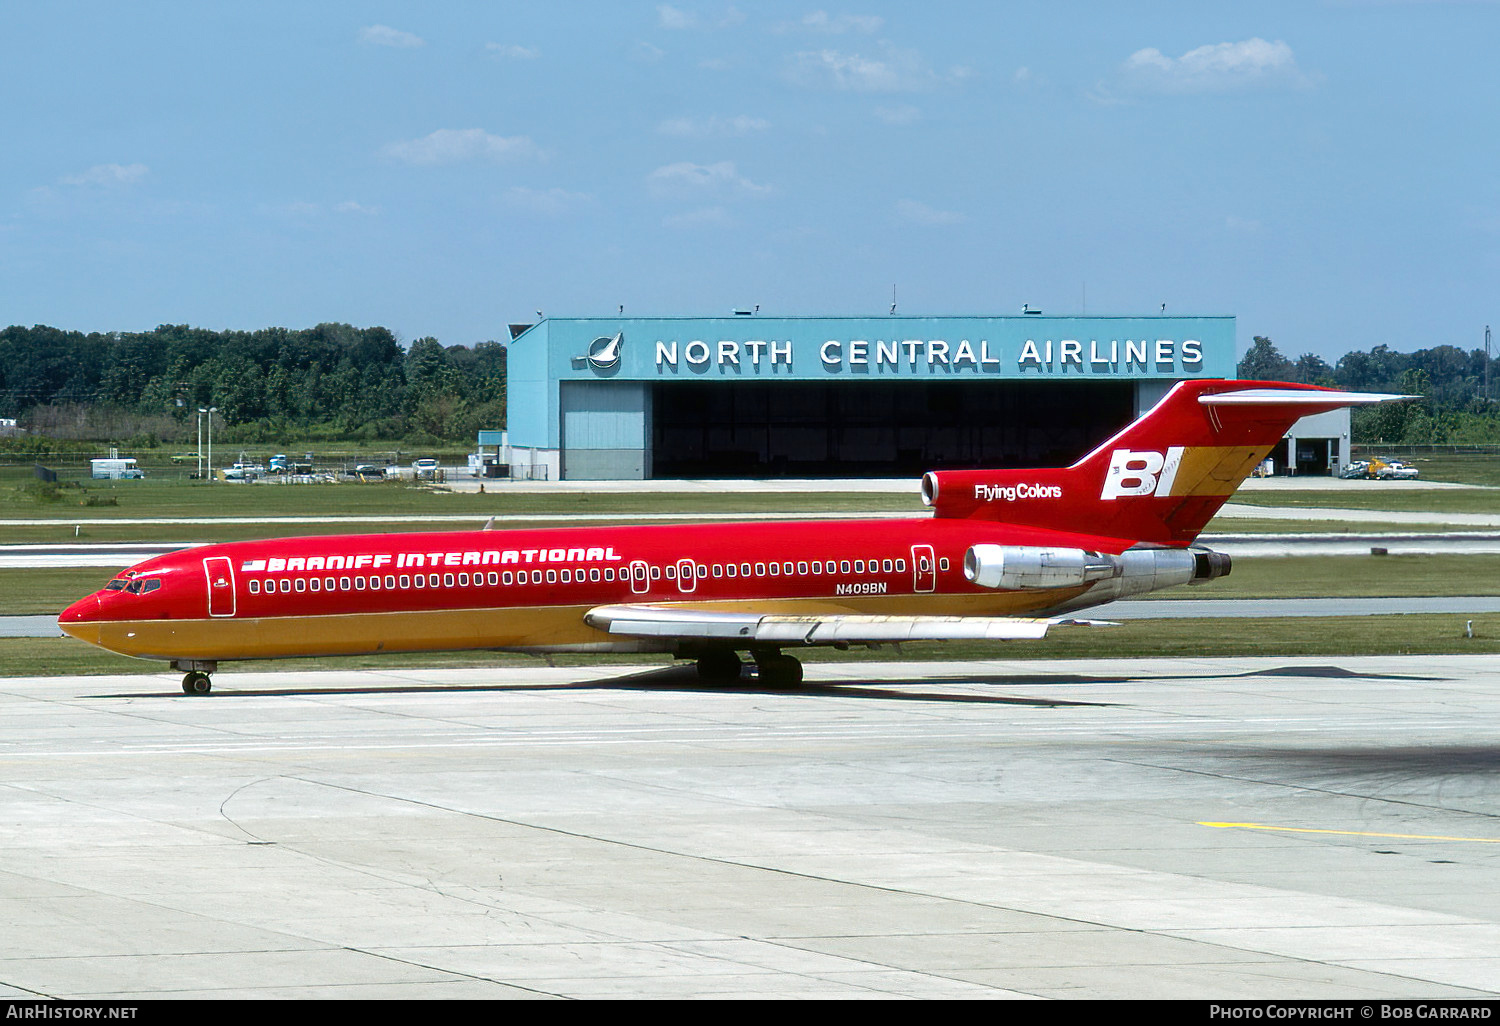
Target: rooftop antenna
(1164, 308)
(893, 299)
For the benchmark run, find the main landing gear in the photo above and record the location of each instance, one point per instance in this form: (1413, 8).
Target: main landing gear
(196, 681)
(721, 667)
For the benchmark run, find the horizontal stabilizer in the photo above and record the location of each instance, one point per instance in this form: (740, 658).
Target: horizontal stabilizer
(745, 629)
(1297, 397)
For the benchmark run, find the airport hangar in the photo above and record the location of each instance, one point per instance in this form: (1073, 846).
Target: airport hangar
(746, 396)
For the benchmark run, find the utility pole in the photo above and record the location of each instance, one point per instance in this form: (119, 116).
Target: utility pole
(1486, 362)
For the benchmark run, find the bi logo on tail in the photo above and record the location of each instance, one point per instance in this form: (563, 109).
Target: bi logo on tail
(1144, 472)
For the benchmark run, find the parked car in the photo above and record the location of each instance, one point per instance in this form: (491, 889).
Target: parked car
(369, 471)
(1357, 470)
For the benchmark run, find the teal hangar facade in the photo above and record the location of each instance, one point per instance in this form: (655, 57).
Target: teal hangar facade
(759, 397)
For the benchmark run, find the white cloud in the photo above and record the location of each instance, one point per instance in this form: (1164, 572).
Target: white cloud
(511, 51)
(921, 213)
(1214, 68)
(676, 19)
(822, 21)
(686, 180)
(384, 35)
(669, 17)
(894, 70)
(546, 202)
(106, 175)
(453, 145)
(714, 125)
(355, 207)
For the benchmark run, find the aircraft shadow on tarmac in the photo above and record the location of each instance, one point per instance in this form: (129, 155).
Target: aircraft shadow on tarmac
(684, 678)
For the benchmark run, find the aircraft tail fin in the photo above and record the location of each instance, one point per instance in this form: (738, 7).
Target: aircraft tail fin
(1159, 480)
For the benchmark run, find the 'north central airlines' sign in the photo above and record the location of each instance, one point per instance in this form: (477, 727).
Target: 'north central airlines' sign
(981, 356)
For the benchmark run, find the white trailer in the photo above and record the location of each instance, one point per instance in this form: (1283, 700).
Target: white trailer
(116, 469)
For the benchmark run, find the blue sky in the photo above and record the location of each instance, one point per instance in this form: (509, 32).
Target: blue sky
(1327, 172)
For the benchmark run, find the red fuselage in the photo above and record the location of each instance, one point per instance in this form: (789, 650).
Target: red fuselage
(530, 589)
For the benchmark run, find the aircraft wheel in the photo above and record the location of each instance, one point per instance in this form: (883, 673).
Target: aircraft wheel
(196, 683)
(780, 671)
(719, 667)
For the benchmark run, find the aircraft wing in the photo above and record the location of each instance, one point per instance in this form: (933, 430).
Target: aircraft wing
(744, 629)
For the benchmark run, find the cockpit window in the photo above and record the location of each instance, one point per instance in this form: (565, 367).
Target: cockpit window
(115, 585)
(150, 586)
(134, 587)
(142, 586)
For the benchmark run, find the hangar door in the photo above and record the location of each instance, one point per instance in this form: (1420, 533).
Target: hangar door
(878, 429)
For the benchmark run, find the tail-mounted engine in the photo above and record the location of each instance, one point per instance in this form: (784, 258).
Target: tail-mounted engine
(1106, 577)
(1017, 567)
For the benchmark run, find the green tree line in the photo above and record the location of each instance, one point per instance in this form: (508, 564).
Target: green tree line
(332, 381)
(1453, 409)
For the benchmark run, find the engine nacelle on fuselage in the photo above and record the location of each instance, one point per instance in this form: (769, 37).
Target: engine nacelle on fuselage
(1106, 577)
(1023, 567)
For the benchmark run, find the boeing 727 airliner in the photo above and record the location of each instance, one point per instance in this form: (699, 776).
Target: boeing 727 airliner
(1005, 554)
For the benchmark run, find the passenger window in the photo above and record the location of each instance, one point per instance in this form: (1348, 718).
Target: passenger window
(887, 565)
(254, 587)
(447, 580)
(775, 569)
(507, 577)
(900, 566)
(943, 563)
(536, 577)
(671, 573)
(551, 576)
(594, 574)
(286, 586)
(315, 583)
(787, 568)
(760, 569)
(656, 573)
(390, 581)
(859, 566)
(405, 581)
(494, 579)
(359, 584)
(301, 584)
(844, 566)
(567, 577)
(343, 584)
(609, 573)
(744, 569)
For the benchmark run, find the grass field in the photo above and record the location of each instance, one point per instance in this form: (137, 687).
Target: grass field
(48, 591)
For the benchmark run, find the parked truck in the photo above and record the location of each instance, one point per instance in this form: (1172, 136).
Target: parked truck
(116, 469)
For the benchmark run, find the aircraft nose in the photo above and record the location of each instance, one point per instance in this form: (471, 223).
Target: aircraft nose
(80, 619)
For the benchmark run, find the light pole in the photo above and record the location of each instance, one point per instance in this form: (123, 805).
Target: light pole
(201, 411)
(211, 411)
